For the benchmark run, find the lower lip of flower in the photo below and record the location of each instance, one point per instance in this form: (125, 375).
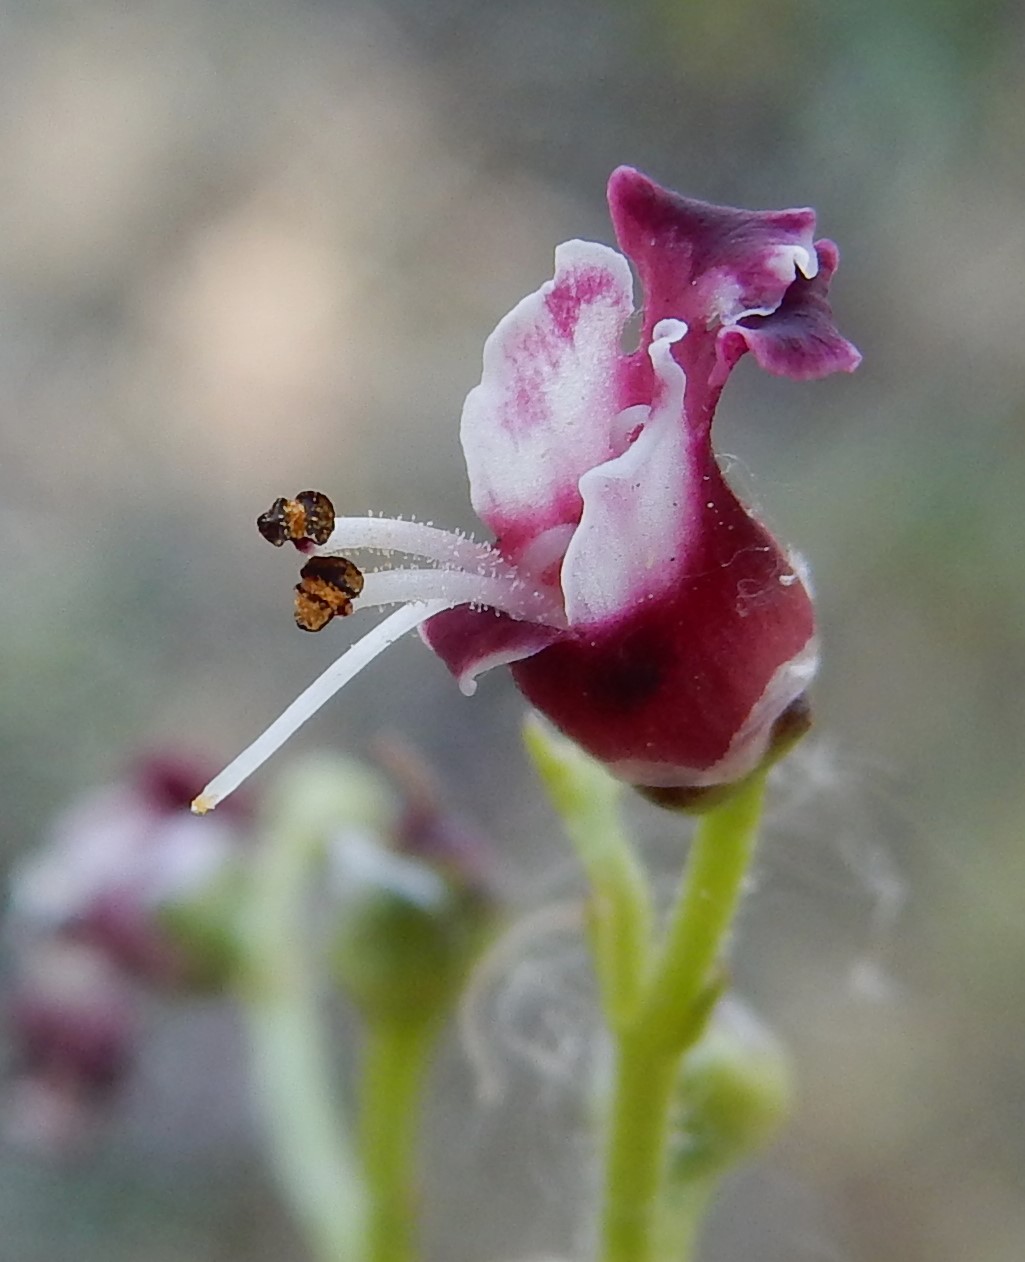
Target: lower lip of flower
(462, 571)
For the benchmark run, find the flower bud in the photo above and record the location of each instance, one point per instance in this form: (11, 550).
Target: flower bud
(414, 905)
(407, 933)
(734, 1092)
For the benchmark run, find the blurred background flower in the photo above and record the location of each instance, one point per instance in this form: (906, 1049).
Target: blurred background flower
(71, 1023)
(256, 246)
(127, 895)
(129, 871)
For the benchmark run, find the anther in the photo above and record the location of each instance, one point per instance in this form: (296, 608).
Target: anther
(326, 589)
(309, 518)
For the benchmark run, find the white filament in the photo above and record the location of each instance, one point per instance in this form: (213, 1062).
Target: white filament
(468, 573)
(456, 587)
(385, 534)
(309, 702)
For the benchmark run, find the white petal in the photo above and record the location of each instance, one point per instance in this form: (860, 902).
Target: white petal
(549, 394)
(639, 509)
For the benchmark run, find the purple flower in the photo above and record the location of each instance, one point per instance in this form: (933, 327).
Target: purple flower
(124, 863)
(72, 1029)
(640, 605)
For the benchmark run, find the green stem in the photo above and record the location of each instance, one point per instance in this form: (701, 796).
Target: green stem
(619, 910)
(306, 1136)
(711, 890)
(675, 1003)
(635, 1159)
(395, 1063)
(683, 1215)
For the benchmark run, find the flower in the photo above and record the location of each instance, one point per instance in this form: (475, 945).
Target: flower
(72, 1029)
(639, 605)
(129, 872)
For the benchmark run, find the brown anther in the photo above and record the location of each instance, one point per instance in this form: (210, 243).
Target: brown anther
(273, 524)
(327, 588)
(319, 516)
(309, 517)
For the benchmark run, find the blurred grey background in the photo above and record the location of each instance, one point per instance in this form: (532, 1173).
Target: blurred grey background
(252, 246)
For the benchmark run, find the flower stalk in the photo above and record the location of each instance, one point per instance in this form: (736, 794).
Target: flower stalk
(684, 986)
(619, 911)
(678, 998)
(306, 1133)
(657, 998)
(396, 1059)
(414, 908)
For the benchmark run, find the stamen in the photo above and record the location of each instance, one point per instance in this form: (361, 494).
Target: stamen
(471, 572)
(309, 702)
(387, 534)
(468, 573)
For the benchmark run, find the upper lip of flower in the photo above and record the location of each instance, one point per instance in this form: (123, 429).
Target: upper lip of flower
(593, 466)
(564, 423)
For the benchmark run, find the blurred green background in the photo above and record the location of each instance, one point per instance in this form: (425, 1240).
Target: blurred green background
(252, 246)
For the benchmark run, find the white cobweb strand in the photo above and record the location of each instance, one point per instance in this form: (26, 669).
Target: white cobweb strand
(309, 702)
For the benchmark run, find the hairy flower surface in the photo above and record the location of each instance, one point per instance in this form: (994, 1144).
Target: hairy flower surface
(640, 605)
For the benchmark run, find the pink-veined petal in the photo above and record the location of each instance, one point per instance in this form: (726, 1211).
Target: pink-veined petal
(640, 509)
(550, 391)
